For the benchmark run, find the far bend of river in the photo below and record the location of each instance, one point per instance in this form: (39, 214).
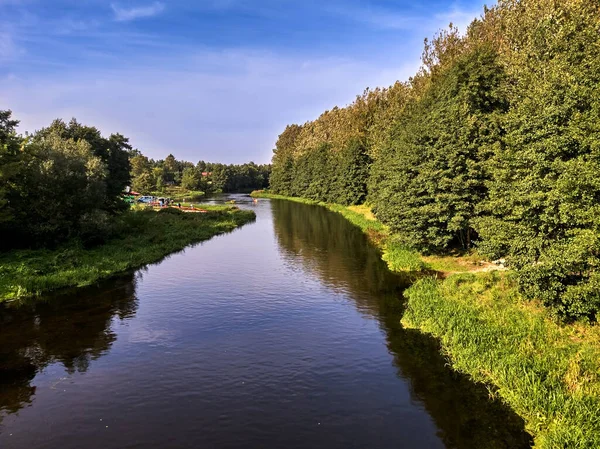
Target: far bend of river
(282, 334)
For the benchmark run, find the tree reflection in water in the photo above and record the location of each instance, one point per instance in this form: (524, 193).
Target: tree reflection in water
(71, 329)
(339, 254)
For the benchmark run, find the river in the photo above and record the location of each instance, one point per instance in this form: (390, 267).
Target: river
(284, 333)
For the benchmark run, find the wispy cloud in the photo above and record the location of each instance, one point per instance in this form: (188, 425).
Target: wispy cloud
(6, 46)
(123, 14)
(9, 50)
(460, 18)
(382, 18)
(376, 17)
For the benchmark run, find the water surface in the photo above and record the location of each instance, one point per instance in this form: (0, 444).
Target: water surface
(283, 333)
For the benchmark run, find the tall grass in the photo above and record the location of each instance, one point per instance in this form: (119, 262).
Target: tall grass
(547, 372)
(147, 237)
(400, 258)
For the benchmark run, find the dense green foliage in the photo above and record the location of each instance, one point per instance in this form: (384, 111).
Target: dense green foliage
(61, 182)
(543, 209)
(431, 178)
(150, 176)
(9, 165)
(494, 143)
(138, 238)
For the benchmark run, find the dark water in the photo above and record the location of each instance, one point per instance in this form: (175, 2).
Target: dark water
(283, 334)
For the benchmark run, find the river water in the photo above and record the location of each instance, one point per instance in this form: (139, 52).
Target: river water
(283, 334)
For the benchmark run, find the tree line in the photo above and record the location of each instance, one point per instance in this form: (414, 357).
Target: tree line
(150, 175)
(66, 181)
(494, 143)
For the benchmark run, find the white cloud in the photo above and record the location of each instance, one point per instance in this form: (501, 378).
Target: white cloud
(374, 16)
(460, 18)
(123, 14)
(6, 46)
(9, 50)
(386, 19)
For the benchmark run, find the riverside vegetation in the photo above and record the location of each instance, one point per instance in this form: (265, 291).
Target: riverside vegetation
(491, 151)
(64, 222)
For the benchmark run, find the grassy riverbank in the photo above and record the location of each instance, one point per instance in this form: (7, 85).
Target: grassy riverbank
(548, 372)
(143, 237)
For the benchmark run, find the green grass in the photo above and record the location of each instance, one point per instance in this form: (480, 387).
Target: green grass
(360, 216)
(548, 373)
(459, 263)
(400, 258)
(148, 237)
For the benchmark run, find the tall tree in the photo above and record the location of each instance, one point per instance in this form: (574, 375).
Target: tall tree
(190, 179)
(62, 180)
(9, 163)
(543, 213)
(431, 190)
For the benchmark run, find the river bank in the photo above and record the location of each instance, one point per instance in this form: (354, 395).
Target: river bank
(144, 237)
(548, 372)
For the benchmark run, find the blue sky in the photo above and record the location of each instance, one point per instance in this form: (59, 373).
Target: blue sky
(211, 79)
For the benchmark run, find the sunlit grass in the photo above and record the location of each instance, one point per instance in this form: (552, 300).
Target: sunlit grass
(547, 372)
(400, 258)
(359, 216)
(459, 263)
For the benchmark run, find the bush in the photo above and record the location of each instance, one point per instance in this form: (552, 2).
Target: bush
(171, 211)
(96, 227)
